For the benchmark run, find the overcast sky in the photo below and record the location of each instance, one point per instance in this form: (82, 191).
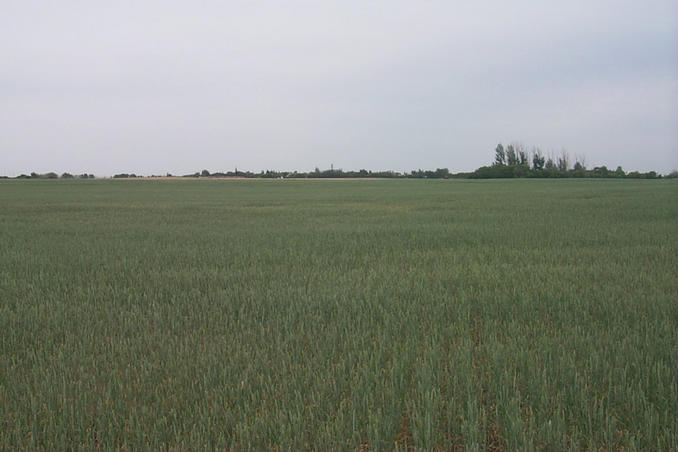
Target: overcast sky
(163, 86)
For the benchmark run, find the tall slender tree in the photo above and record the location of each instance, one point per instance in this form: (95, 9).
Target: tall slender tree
(499, 155)
(537, 160)
(511, 156)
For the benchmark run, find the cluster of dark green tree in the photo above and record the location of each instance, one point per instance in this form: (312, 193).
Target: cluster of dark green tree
(515, 161)
(52, 175)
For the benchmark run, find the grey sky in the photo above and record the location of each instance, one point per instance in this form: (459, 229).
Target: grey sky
(164, 86)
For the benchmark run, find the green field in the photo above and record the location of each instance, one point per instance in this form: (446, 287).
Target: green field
(338, 315)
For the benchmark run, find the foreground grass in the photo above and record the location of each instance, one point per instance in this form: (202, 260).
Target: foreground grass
(332, 315)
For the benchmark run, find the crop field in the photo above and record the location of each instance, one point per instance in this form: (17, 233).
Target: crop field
(339, 315)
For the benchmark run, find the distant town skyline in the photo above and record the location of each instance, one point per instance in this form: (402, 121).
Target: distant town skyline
(175, 87)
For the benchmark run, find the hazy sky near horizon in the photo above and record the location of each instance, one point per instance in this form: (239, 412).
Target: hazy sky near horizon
(166, 86)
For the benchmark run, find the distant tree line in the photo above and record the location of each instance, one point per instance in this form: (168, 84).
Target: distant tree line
(511, 161)
(515, 161)
(52, 175)
(333, 173)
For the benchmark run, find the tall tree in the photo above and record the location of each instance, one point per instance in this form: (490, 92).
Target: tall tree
(563, 161)
(499, 155)
(522, 157)
(537, 160)
(511, 156)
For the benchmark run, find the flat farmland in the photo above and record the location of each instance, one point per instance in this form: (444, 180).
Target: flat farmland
(339, 315)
